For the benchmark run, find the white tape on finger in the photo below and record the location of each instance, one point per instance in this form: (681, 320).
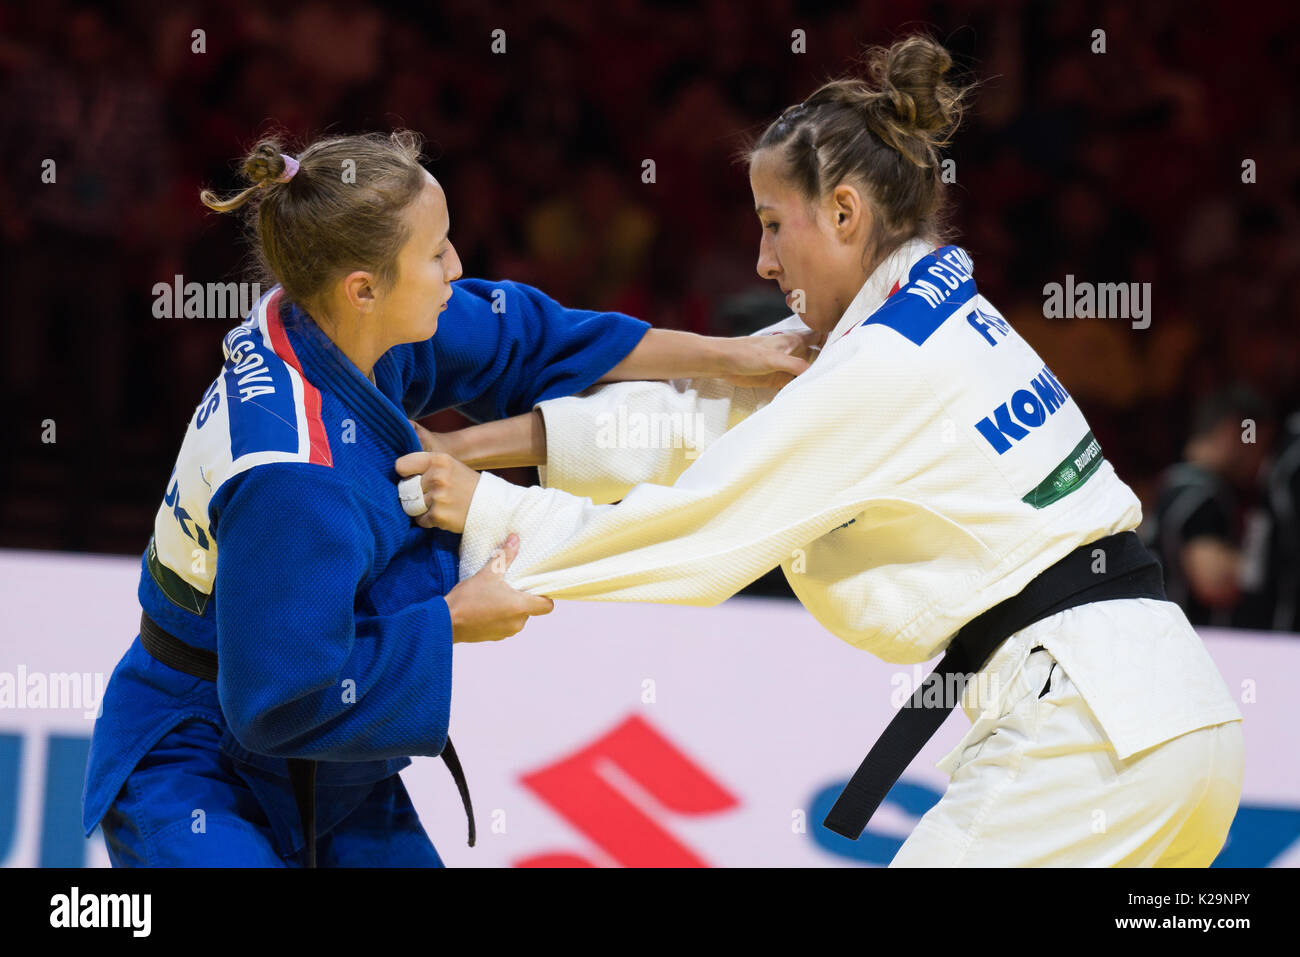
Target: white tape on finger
(411, 492)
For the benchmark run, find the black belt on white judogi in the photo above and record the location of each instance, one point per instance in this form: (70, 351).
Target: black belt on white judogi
(1128, 570)
(197, 662)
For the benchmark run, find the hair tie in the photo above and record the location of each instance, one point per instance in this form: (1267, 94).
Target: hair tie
(290, 168)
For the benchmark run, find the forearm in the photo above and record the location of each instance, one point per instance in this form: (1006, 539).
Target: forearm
(662, 354)
(690, 415)
(518, 441)
(673, 354)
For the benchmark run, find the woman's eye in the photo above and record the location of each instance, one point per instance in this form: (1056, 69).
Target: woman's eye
(773, 226)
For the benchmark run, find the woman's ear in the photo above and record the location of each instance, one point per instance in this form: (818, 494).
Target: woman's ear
(360, 290)
(848, 212)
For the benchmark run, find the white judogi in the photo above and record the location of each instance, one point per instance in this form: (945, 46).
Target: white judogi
(926, 467)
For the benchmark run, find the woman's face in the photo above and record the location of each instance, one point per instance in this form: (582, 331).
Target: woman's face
(426, 267)
(813, 248)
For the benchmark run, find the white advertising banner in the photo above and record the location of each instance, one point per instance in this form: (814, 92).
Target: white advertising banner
(603, 734)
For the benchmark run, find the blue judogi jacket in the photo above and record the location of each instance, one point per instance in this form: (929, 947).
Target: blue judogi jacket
(327, 614)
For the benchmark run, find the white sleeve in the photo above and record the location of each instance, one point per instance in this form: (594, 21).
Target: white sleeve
(785, 476)
(602, 442)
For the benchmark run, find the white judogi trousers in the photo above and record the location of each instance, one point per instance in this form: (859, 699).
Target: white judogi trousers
(1036, 782)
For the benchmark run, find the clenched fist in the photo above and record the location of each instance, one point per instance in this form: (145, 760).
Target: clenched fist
(448, 486)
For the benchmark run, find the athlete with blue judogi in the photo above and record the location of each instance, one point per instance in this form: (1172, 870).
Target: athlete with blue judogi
(296, 638)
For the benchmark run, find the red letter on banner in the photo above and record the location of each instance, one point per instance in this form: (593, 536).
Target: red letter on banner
(575, 788)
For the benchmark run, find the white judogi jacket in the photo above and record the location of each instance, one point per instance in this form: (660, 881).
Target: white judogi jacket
(927, 466)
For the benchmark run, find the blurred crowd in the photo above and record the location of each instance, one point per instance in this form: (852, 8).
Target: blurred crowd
(1126, 165)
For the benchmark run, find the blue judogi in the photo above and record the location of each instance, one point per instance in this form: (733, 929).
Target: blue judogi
(327, 616)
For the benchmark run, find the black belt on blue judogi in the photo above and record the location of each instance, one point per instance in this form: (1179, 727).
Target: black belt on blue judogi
(174, 653)
(1128, 570)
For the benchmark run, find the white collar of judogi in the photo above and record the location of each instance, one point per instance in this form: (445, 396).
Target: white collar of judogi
(894, 269)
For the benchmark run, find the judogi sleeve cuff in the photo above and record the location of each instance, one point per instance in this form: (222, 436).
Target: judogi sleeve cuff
(486, 522)
(571, 463)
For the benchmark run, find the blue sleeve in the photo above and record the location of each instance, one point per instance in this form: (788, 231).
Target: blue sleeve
(313, 663)
(503, 346)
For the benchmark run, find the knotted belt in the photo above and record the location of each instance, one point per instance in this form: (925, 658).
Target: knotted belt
(1128, 570)
(174, 653)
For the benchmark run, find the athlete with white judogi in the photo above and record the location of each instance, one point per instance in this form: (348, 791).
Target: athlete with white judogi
(927, 486)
